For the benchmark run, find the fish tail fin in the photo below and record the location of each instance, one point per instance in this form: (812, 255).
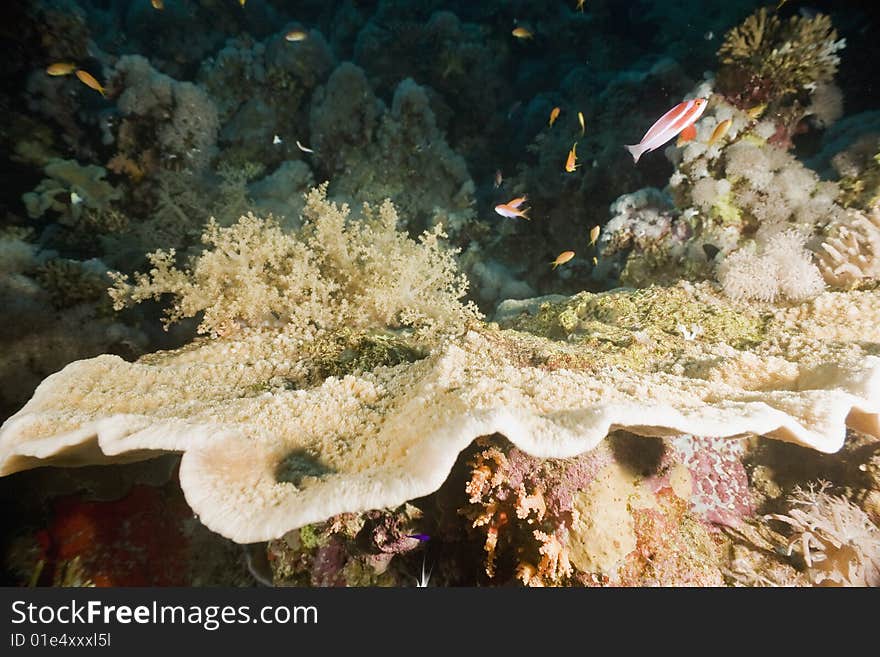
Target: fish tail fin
(525, 214)
(636, 151)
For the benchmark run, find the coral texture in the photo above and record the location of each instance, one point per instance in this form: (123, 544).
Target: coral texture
(268, 448)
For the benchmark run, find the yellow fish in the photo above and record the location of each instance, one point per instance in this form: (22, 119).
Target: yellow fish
(581, 121)
(562, 258)
(554, 114)
(60, 68)
(580, 6)
(158, 4)
(594, 235)
(87, 79)
(720, 130)
(522, 33)
(296, 35)
(241, 2)
(756, 111)
(571, 162)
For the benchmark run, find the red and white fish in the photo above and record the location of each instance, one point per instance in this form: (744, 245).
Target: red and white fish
(676, 120)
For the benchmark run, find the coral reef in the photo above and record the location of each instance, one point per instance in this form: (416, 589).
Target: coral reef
(837, 542)
(70, 190)
(777, 62)
(336, 275)
(270, 444)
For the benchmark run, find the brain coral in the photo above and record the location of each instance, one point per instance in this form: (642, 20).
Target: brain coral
(268, 448)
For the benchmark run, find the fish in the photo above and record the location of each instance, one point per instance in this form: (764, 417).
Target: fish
(277, 140)
(75, 199)
(581, 121)
(499, 179)
(594, 234)
(595, 261)
(562, 258)
(720, 130)
(554, 114)
(688, 134)
(60, 68)
(570, 163)
(303, 148)
(241, 2)
(87, 79)
(580, 6)
(667, 126)
(512, 208)
(296, 35)
(756, 111)
(522, 33)
(158, 4)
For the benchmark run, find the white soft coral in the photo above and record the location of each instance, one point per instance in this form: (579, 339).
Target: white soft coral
(837, 541)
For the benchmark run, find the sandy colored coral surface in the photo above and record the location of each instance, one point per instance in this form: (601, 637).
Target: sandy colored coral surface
(268, 448)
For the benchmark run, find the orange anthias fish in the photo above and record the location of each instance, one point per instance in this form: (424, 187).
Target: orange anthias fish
(720, 130)
(581, 121)
(667, 126)
(87, 79)
(60, 68)
(512, 208)
(562, 258)
(571, 162)
(158, 4)
(296, 35)
(580, 6)
(522, 33)
(554, 114)
(594, 235)
(688, 134)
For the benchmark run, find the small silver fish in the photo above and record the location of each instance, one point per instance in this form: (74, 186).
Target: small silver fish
(277, 140)
(303, 148)
(75, 198)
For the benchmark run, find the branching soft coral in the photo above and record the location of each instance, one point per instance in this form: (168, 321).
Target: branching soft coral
(837, 541)
(335, 274)
(775, 266)
(766, 58)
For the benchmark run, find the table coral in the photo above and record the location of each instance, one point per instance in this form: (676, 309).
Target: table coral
(244, 409)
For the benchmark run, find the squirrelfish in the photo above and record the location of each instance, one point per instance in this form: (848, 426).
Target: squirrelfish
(562, 258)
(296, 35)
(522, 33)
(554, 114)
(158, 4)
(571, 162)
(512, 208)
(667, 126)
(581, 121)
(594, 235)
(60, 68)
(720, 130)
(87, 79)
